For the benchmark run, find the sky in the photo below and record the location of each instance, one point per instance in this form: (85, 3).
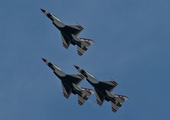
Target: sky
(132, 39)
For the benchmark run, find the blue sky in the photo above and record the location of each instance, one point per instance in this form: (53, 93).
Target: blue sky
(132, 46)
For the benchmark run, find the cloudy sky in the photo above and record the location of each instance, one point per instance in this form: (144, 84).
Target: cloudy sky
(132, 39)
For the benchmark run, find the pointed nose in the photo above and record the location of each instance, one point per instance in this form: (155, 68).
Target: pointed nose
(44, 59)
(76, 67)
(43, 10)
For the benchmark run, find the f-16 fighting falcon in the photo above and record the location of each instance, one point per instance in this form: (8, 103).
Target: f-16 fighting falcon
(103, 90)
(70, 83)
(69, 34)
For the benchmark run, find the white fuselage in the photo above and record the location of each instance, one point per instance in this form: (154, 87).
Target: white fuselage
(57, 22)
(58, 71)
(91, 78)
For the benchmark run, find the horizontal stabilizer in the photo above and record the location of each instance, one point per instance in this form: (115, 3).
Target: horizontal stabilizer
(80, 51)
(114, 107)
(86, 92)
(81, 100)
(119, 99)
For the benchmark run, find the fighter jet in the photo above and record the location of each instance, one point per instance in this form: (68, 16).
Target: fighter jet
(70, 83)
(103, 90)
(69, 34)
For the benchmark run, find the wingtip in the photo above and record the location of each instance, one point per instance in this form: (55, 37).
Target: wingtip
(44, 59)
(42, 10)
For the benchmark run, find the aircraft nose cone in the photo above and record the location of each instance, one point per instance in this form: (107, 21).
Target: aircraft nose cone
(43, 10)
(44, 59)
(76, 67)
